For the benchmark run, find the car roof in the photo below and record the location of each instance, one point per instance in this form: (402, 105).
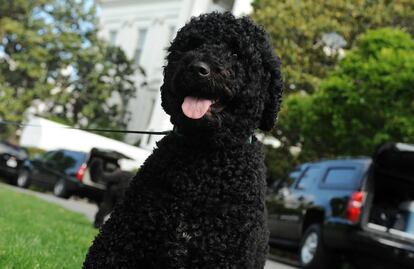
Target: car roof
(68, 150)
(108, 153)
(341, 161)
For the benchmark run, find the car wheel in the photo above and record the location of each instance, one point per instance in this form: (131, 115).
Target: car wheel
(61, 189)
(313, 254)
(23, 180)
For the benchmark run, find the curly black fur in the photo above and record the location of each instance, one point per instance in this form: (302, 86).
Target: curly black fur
(198, 200)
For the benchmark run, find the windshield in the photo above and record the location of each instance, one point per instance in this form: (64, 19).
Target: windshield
(12, 150)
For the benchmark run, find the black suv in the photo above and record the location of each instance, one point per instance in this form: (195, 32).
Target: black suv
(66, 172)
(11, 159)
(363, 208)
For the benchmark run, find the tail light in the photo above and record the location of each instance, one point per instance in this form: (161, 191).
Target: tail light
(81, 172)
(353, 211)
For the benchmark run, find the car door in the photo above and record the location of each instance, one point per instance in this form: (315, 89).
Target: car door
(293, 203)
(55, 167)
(275, 201)
(43, 170)
(36, 168)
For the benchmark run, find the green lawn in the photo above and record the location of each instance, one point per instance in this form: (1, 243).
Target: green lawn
(37, 234)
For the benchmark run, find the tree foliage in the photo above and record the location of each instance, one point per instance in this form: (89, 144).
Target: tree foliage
(308, 34)
(368, 99)
(52, 60)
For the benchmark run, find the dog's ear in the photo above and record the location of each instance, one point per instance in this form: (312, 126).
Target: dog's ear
(273, 91)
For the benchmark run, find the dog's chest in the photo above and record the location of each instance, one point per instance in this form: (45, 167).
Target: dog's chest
(197, 203)
(218, 175)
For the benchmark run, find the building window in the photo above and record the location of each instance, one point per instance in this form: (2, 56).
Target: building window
(142, 34)
(112, 36)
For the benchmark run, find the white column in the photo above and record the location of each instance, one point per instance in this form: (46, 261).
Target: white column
(242, 7)
(127, 38)
(185, 12)
(190, 8)
(154, 48)
(200, 6)
(154, 60)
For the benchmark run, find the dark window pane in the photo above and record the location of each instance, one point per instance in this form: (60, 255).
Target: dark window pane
(293, 176)
(340, 177)
(71, 161)
(47, 156)
(309, 178)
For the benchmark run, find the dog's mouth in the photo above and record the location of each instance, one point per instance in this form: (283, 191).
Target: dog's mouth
(196, 107)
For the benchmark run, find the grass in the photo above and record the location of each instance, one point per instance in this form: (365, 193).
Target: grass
(37, 234)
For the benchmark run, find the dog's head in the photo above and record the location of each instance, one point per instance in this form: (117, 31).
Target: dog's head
(222, 78)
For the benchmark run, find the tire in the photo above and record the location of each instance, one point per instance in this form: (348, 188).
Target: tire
(23, 179)
(61, 189)
(312, 253)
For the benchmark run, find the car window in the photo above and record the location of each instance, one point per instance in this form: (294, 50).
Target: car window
(341, 177)
(47, 156)
(70, 161)
(12, 150)
(3, 148)
(56, 157)
(308, 178)
(293, 176)
(6, 149)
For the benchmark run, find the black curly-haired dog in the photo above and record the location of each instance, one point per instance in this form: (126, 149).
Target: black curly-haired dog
(198, 200)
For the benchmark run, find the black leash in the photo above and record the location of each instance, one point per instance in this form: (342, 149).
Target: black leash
(5, 122)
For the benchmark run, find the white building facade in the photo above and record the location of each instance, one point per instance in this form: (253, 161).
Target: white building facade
(144, 29)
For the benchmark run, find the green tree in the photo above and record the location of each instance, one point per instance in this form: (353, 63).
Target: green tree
(50, 54)
(309, 34)
(367, 100)
(22, 53)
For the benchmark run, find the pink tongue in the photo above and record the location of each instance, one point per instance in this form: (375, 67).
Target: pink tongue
(194, 107)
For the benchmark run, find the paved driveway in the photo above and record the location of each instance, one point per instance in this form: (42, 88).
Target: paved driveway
(89, 211)
(73, 204)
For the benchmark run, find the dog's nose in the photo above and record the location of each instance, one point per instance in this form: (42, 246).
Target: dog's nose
(201, 68)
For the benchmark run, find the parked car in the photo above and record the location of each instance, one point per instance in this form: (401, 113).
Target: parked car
(66, 172)
(11, 159)
(363, 208)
